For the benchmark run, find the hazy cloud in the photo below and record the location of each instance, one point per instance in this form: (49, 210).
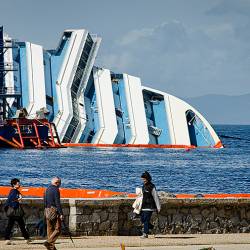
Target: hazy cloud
(185, 60)
(230, 8)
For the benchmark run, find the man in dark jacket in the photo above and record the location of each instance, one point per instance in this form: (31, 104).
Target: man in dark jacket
(52, 201)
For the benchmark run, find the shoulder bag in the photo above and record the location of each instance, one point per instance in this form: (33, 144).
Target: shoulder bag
(50, 213)
(15, 212)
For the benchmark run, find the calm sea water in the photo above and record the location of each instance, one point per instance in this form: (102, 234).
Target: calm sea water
(195, 171)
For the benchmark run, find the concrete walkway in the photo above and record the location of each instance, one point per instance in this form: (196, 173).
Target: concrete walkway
(160, 242)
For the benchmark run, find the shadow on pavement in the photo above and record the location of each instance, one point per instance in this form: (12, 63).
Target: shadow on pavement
(174, 237)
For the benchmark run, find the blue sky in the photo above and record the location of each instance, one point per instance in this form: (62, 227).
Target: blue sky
(186, 48)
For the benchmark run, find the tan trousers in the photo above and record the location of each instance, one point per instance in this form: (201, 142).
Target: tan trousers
(53, 230)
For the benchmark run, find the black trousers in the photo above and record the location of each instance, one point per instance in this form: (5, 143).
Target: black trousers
(145, 220)
(10, 225)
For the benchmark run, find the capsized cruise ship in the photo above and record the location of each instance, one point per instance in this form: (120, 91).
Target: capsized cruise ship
(93, 105)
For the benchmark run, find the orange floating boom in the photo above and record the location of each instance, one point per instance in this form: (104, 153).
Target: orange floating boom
(66, 192)
(127, 145)
(218, 145)
(100, 194)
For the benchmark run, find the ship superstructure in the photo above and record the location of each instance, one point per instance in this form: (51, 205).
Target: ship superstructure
(90, 104)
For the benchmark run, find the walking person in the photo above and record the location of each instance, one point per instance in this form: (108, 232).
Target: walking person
(15, 212)
(53, 213)
(150, 203)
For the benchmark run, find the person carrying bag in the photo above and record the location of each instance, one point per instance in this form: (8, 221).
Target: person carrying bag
(14, 212)
(150, 202)
(53, 213)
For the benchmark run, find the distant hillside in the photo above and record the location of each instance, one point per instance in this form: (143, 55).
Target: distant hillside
(222, 109)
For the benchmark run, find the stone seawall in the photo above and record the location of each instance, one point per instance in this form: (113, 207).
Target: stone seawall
(114, 216)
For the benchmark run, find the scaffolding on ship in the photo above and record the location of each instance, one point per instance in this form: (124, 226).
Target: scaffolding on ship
(17, 130)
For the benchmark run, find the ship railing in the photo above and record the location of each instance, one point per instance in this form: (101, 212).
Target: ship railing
(7, 67)
(10, 91)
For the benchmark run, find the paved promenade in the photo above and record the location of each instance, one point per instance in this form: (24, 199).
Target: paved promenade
(160, 242)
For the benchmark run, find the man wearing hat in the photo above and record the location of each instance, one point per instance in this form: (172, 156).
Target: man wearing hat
(150, 203)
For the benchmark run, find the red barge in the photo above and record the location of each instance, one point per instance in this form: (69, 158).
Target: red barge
(28, 133)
